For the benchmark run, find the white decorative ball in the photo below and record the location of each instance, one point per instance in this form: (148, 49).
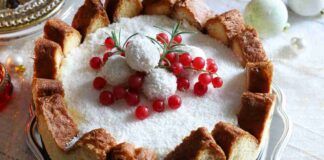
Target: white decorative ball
(116, 70)
(142, 55)
(13, 61)
(306, 7)
(159, 84)
(268, 17)
(194, 52)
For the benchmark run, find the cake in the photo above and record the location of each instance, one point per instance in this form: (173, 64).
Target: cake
(83, 96)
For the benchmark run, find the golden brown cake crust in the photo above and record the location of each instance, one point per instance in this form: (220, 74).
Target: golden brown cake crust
(90, 11)
(56, 30)
(194, 144)
(113, 8)
(127, 151)
(259, 77)
(231, 20)
(196, 12)
(45, 62)
(158, 7)
(59, 123)
(46, 87)
(255, 111)
(250, 45)
(98, 141)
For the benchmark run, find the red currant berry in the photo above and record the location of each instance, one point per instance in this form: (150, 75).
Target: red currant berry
(106, 98)
(95, 62)
(119, 92)
(162, 37)
(122, 54)
(185, 59)
(141, 112)
(183, 84)
(217, 82)
(213, 68)
(158, 106)
(200, 89)
(210, 61)
(177, 68)
(99, 83)
(198, 63)
(135, 81)
(174, 102)
(109, 43)
(106, 56)
(177, 39)
(132, 99)
(171, 57)
(205, 78)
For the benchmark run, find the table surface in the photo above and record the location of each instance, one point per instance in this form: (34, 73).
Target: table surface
(300, 74)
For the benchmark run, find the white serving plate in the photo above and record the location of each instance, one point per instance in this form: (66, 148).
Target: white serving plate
(280, 132)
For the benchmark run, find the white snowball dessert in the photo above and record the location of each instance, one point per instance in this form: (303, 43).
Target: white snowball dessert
(142, 55)
(159, 84)
(116, 70)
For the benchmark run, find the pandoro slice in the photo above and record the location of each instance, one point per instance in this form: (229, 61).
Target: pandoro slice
(225, 26)
(48, 57)
(259, 77)
(127, 151)
(117, 9)
(158, 7)
(63, 34)
(89, 17)
(235, 142)
(196, 12)
(56, 127)
(199, 145)
(46, 87)
(248, 47)
(255, 114)
(94, 145)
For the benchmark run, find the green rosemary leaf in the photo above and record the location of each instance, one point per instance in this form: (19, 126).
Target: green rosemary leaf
(155, 41)
(160, 28)
(130, 37)
(176, 51)
(185, 32)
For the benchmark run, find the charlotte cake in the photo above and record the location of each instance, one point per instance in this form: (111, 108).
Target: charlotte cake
(89, 17)
(158, 7)
(52, 107)
(226, 26)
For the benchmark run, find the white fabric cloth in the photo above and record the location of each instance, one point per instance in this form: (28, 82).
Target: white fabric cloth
(299, 74)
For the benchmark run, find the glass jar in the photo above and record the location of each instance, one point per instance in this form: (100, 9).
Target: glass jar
(6, 87)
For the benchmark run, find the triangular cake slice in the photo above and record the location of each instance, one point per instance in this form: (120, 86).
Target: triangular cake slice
(199, 145)
(89, 17)
(256, 112)
(248, 47)
(63, 34)
(259, 77)
(55, 125)
(235, 142)
(225, 26)
(48, 58)
(117, 9)
(158, 7)
(196, 12)
(127, 151)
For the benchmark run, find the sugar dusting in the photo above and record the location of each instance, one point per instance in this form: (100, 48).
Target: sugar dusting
(161, 131)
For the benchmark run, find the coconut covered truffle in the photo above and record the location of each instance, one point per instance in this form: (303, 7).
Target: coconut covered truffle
(142, 55)
(116, 70)
(159, 84)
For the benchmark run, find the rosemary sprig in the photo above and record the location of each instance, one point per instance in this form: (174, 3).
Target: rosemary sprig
(117, 39)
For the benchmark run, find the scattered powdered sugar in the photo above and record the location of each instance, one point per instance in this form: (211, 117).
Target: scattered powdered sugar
(159, 84)
(160, 131)
(141, 54)
(116, 70)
